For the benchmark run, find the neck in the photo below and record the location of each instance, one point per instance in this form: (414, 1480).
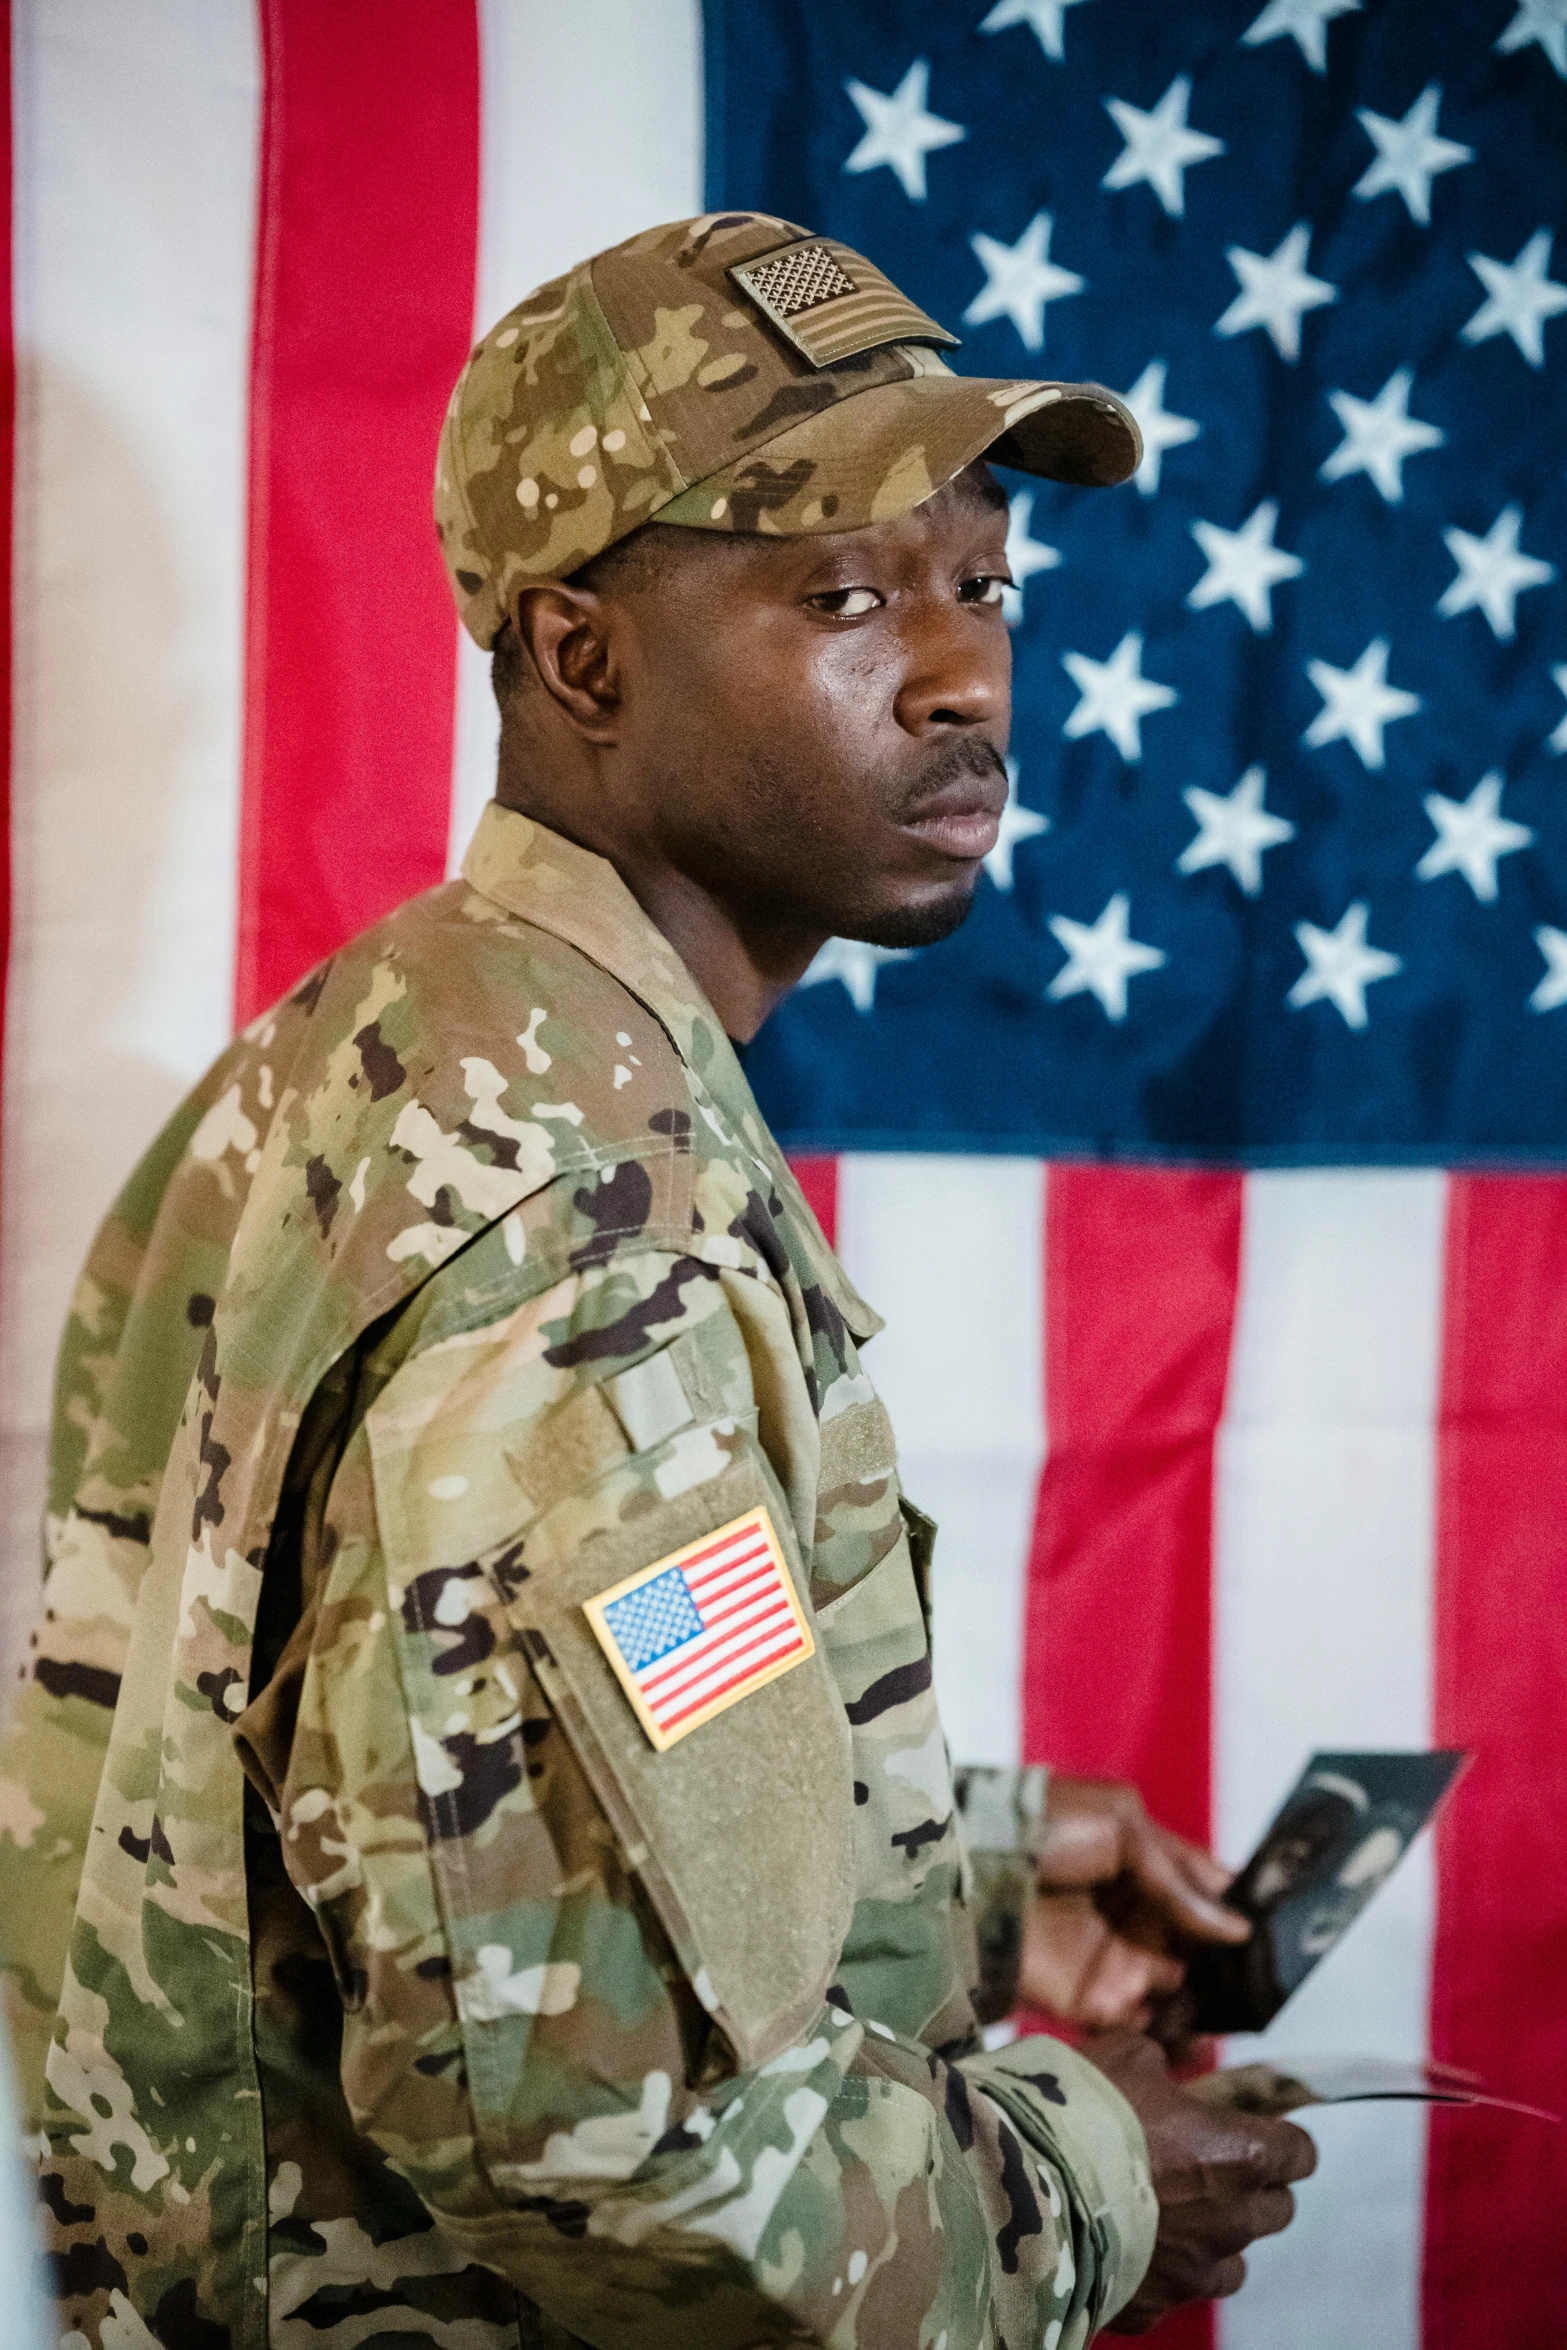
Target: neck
(744, 966)
(743, 969)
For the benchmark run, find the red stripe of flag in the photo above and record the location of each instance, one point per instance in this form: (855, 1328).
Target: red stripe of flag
(1140, 1286)
(709, 1637)
(1141, 1274)
(367, 239)
(722, 1580)
(670, 1721)
(725, 1566)
(727, 1542)
(818, 1179)
(741, 1595)
(1496, 2187)
(715, 1652)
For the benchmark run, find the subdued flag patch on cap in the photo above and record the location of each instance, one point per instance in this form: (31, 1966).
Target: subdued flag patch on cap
(832, 304)
(694, 1633)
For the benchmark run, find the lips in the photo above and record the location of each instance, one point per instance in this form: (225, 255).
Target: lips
(963, 818)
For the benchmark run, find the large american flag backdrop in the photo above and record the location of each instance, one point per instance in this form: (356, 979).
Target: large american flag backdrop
(1211, 1177)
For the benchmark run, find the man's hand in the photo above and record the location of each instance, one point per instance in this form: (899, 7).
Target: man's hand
(1222, 2179)
(1118, 1898)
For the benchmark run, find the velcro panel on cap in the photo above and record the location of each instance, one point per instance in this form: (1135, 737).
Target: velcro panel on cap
(831, 303)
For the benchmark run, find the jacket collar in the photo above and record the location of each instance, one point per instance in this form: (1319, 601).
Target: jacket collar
(578, 896)
(550, 882)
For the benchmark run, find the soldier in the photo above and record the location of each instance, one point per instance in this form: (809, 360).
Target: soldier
(480, 1860)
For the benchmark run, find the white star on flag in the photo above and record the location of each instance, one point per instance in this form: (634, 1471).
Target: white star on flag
(899, 131)
(1116, 697)
(1234, 830)
(1017, 824)
(1275, 290)
(1101, 958)
(1471, 835)
(1019, 280)
(856, 963)
(1244, 566)
(1558, 740)
(1552, 989)
(1379, 434)
(1044, 16)
(1160, 427)
(1305, 21)
(1159, 147)
(1520, 298)
(1544, 21)
(1357, 704)
(1025, 555)
(1409, 154)
(1340, 966)
(1492, 574)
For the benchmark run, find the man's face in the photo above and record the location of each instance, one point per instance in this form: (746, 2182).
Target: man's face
(816, 726)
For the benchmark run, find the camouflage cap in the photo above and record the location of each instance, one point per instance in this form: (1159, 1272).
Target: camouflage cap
(728, 373)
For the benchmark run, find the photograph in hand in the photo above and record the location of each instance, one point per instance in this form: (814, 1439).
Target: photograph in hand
(1336, 1838)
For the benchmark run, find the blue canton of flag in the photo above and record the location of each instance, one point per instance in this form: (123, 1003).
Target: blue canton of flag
(1284, 872)
(654, 1619)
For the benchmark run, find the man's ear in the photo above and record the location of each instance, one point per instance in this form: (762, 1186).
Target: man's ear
(565, 632)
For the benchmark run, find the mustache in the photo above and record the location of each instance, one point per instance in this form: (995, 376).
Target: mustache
(960, 760)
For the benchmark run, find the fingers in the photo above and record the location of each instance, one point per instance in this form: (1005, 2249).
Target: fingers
(1097, 1829)
(1251, 2154)
(1074, 1966)
(1208, 1881)
(1141, 2313)
(1117, 1986)
(1079, 1847)
(1179, 2274)
(1290, 2154)
(1062, 1938)
(1222, 2179)
(1207, 1873)
(1163, 1867)
(1226, 2279)
(1236, 2223)
(1271, 2212)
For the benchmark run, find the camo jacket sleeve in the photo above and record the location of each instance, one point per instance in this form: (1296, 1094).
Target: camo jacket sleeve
(599, 2009)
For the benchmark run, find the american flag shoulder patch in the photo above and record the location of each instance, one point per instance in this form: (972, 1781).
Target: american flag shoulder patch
(692, 1634)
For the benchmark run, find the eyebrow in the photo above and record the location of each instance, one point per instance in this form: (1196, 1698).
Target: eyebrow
(976, 481)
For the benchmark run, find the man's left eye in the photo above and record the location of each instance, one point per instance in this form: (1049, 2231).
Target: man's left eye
(986, 588)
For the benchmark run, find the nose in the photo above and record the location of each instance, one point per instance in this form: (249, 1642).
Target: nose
(957, 672)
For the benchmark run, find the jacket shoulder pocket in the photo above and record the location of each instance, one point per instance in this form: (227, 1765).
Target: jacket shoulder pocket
(742, 1830)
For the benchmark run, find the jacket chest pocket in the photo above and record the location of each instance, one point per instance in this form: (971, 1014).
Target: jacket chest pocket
(875, 1639)
(858, 1518)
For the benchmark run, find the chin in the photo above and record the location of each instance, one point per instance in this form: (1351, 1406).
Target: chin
(920, 924)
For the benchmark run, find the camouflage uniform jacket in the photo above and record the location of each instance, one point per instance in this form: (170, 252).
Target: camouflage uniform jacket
(393, 1986)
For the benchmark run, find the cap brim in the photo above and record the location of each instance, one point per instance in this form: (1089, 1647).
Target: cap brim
(879, 453)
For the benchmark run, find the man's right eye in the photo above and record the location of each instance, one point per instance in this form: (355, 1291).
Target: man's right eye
(846, 603)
